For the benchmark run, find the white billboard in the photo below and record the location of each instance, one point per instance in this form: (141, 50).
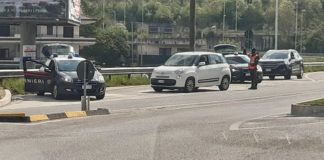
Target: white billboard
(75, 10)
(33, 8)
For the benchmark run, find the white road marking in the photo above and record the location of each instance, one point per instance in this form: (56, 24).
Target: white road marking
(256, 138)
(288, 139)
(307, 77)
(224, 135)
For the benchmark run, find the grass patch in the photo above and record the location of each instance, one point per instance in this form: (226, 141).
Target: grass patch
(2, 93)
(15, 85)
(319, 102)
(123, 80)
(313, 68)
(313, 58)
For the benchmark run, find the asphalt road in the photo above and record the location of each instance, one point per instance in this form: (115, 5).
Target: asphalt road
(209, 124)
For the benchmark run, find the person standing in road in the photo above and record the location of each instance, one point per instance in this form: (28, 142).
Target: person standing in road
(254, 60)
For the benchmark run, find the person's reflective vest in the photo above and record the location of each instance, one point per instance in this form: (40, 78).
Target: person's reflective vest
(254, 59)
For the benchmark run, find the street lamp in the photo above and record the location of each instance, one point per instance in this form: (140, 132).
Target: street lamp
(301, 30)
(224, 16)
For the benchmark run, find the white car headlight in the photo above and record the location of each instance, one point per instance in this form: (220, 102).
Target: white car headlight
(101, 79)
(179, 72)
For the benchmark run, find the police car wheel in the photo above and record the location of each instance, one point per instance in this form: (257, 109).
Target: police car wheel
(100, 96)
(56, 92)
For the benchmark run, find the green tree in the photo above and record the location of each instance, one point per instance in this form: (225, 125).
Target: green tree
(110, 48)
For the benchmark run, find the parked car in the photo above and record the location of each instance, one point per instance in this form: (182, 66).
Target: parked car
(285, 63)
(239, 68)
(59, 77)
(226, 49)
(190, 70)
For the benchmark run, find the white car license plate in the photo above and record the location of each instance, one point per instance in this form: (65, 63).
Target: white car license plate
(247, 74)
(87, 87)
(268, 70)
(161, 81)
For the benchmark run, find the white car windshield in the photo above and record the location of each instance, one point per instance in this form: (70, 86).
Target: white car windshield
(181, 60)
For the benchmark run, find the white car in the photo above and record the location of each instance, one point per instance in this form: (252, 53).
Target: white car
(190, 70)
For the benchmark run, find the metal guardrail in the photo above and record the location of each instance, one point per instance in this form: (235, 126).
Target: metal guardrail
(312, 64)
(13, 73)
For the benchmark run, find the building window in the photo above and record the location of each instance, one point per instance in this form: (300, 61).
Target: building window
(4, 30)
(153, 29)
(4, 54)
(49, 30)
(165, 51)
(167, 30)
(68, 32)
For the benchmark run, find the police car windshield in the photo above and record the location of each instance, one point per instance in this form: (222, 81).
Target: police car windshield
(237, 60)
(181, 60)
(276, 55)
(68, 65)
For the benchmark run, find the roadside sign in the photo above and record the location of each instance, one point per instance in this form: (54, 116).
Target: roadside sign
(85, 68)
(85, 72)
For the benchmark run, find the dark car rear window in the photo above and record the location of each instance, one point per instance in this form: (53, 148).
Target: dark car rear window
(237, 60)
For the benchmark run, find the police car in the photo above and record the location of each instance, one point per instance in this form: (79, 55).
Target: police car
(58, 76)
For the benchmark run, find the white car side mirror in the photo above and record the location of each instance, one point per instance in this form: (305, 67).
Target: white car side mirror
(202, 64)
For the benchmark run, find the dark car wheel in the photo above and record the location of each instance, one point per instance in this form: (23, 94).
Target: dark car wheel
(224, 84)
(40, 93)
(101, 96)
(272, 77)
(190, 85)
(157, 89)
(301, 74)
(56, 92)
(288, 76)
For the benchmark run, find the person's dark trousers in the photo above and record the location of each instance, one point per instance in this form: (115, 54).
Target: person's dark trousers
(254, 79)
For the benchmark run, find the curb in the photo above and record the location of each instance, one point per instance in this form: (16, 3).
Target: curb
(22, 118)
(6, 99)
(306, 110)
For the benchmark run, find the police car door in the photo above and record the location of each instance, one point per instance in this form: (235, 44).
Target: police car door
(37, 80)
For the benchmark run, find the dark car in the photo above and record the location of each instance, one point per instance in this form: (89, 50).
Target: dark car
(59, 77)
(239, 68)
(226, 49)
(285, 63)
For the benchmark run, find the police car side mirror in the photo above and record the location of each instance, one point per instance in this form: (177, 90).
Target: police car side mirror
(47, 70)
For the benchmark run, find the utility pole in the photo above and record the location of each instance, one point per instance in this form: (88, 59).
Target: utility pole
(224, 15)
(236, 15)
(276, 25)
(192, 34)
(125, 12)
(103, 14)
(296, 29)
(301, 31)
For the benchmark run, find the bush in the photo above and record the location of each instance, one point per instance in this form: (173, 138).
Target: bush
(15, 85)
(314, 68)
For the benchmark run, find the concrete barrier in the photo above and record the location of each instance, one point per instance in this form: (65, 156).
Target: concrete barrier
(306, 110)
(6, 99)
(21, 118)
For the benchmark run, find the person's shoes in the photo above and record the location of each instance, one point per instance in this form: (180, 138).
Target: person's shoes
(252, 88)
